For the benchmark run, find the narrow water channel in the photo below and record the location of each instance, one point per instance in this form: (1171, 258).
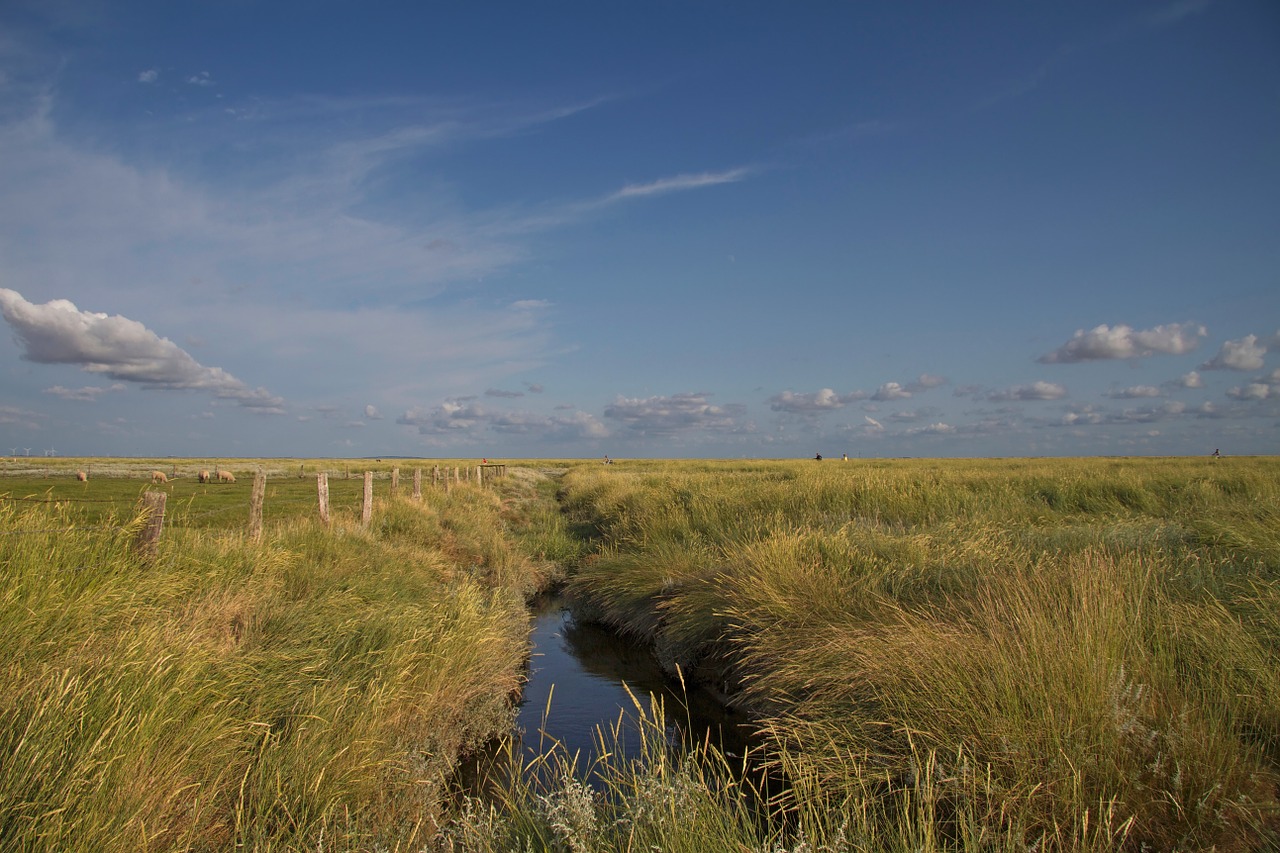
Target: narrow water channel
(579, 676)
(578, 682)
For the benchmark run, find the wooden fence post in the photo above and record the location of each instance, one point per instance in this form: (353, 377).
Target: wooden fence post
(367, 514)
(322, 488)
(255, 505)
(417, 484)
(435, 476)
(395, 480)
(479, 476)
(149, 536)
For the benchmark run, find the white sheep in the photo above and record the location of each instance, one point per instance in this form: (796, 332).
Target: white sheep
(226, 477)
(204, 476)
(82, 476)
(159, 477)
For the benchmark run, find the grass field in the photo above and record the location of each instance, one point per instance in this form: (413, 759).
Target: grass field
(977, 655)
(985, 654)
(311, 690)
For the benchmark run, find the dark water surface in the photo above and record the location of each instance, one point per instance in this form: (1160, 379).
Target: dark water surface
(580, 669)
(579, 675)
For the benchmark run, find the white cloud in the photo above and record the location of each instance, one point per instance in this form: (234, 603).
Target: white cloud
(1035, 391)
(891, 391)
(461, 418)
(932, 429)
(89, 393)
(680, 183)
(1252, 391)
(201, 79)
(1244, 354)
(371, 412)
(1111, 342)
(926, 382)
(823, 400)
(677, 413)
(1134, 392)
(151, 75)
(1187, 380)
(59, 333)
(498, 392)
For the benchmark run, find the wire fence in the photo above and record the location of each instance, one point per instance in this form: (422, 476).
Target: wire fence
(152, 504)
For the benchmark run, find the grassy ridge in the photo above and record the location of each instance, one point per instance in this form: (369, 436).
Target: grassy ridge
(1078, 653)
(311, 691)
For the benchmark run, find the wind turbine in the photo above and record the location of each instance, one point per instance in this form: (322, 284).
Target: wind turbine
(28, 451)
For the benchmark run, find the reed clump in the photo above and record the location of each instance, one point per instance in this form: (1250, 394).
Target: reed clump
(1052, 654)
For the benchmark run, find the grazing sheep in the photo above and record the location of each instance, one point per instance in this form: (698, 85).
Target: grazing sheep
(204, 476)
(82, 476)
(159, 477)
(226, 477)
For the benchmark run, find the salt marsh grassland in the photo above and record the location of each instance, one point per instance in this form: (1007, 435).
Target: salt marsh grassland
(976, 655)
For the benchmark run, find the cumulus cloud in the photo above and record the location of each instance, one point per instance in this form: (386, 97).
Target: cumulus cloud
(932, 429)
(1186, 380)
(371, 412)
(1110, 342)
(676, 413)
(497, 392)
(823, 400)
(151, 75)
(57, 332)
(891, 391)
(89, 393)
(1252, 391)
(201, 79)
(1134, 392)
(1034, 391)
(1244, 354)
(533, 388)
(926, 382)
(463, 417)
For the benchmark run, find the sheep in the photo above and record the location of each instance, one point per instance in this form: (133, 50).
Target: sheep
(226, 477)
(204, 476)
(82, 476)
(159, 477)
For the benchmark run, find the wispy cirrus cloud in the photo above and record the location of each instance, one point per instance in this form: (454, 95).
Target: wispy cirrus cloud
(680, 183)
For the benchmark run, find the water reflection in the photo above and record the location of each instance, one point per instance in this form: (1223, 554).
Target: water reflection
(576, 683)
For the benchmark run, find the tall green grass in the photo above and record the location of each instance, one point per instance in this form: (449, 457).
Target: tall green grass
(1059, 654)
(310, 691)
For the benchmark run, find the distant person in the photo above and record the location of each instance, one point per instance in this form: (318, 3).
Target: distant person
(818, 456)
(844, 457)
(1216, 454)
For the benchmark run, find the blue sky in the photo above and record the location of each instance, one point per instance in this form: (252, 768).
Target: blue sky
(694, 229)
